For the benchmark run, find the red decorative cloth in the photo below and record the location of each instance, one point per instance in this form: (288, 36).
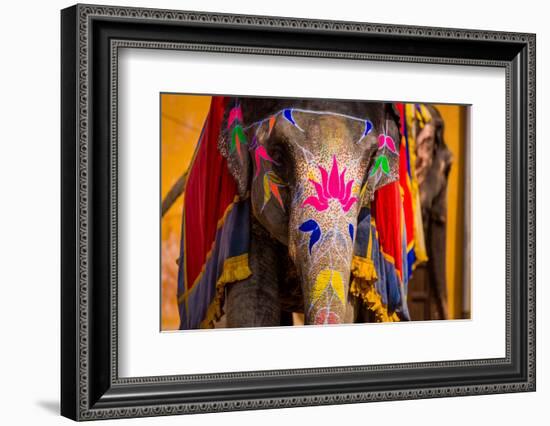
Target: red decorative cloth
(209, 190)
(387, 212)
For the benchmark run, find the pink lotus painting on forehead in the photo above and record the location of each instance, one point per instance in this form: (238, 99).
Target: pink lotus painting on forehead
(331, 187)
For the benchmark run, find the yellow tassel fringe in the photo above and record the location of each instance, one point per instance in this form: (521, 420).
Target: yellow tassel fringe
(362, 287)
(363, 267)
(234, 269)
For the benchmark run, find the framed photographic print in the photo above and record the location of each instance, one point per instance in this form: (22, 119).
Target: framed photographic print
(263, 212)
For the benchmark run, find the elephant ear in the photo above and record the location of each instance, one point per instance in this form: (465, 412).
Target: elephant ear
(384, 165)
(233, 144)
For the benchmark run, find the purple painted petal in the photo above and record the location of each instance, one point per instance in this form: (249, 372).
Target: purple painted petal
(314, 202)
(349, 204)
(254, 144)
(320, 194)
(333, 183)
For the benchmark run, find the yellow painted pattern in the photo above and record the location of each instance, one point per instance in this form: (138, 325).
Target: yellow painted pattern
(326, 278)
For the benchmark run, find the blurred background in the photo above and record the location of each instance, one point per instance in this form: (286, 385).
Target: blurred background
(182, 117)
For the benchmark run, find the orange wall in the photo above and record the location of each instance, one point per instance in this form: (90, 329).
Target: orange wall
(454, 117)
(181, 124)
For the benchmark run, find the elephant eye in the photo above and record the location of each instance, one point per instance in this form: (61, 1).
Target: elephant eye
(278, 153)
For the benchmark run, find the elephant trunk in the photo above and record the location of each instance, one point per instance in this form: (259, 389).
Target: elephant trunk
(325, 280)
(325, 218)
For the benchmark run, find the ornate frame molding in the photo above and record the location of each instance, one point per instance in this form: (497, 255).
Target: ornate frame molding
(91, 400)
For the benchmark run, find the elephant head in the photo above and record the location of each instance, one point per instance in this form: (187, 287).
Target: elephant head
(309, 166)
(433, 163)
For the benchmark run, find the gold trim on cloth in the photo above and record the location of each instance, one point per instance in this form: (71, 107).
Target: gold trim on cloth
(362, 287)
(234, 269)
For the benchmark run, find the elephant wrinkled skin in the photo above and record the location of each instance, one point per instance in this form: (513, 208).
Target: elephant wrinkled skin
(308, 166)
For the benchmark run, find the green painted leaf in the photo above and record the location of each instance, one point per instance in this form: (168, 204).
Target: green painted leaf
(385, 164)
(238, 132)
(381, 161)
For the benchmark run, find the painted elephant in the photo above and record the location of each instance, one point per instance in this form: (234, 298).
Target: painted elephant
(433, 164)
(308, 167)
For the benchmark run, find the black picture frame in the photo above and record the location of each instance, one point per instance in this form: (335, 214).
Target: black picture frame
(90, 386)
